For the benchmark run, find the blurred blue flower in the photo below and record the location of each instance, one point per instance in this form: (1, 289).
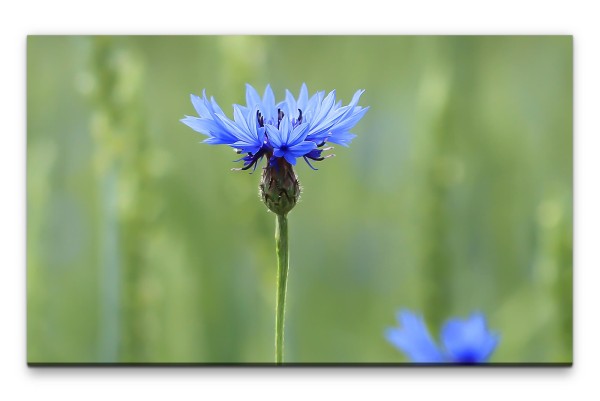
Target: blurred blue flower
(463, 341)
(287, 130)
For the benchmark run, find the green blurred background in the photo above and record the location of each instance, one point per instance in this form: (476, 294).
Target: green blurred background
(456, 196)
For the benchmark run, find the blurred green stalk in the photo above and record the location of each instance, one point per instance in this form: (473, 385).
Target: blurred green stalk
(281, 244)
(110, 273)
(110, 281)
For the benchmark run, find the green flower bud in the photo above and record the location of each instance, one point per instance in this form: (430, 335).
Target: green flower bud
(279, 187)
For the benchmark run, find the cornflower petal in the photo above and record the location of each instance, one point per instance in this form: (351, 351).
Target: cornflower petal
(340, 134)
(302, 148)
(290, 158)
(202, 125)
(240, 119)
(285, 129)
(290, 101)
(341, 138)
(414, 339)
(242, 135)
(199, 105)
(215, 107)
(322, 116)
(468, 341)
(255, 130)
(298, 134)
(313, 104)
(268, 104)
(252, 97)
(303, 97)
(274, 136)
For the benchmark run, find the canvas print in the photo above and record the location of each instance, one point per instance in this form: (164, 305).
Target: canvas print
(184, 205)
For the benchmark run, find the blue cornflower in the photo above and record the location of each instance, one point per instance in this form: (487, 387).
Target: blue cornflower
(281, 132)
(463, 341)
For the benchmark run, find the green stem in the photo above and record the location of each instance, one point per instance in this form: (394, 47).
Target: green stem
(281, 243)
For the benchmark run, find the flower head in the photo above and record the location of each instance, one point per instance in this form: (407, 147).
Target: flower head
(286, 130)
(463, 341)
